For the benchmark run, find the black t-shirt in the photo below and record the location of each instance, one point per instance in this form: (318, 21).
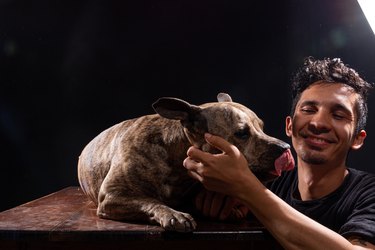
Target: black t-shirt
(349, 210)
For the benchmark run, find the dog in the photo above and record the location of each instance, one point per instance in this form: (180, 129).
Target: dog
(133, 170)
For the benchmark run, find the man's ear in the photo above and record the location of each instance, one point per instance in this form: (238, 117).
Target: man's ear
(288, 126)
(359, 140)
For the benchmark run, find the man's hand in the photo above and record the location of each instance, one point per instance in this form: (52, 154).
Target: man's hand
(224, 172)
(218, 206)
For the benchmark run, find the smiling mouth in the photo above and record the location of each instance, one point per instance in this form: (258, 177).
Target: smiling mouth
(313, 139)
(317, 142)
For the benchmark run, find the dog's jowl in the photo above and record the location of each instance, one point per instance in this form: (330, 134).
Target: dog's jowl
(133, 170)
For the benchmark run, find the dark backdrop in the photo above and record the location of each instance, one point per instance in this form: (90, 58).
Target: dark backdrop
(70, 69)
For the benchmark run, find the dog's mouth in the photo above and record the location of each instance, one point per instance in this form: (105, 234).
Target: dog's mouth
(285, 162)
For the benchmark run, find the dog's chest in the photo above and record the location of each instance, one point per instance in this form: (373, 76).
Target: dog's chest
(177, 188)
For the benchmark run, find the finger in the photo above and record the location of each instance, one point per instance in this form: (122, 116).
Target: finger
(228, 206)
(199, 200)
(193, 165)
(239, 212)
(244, 210)
(198, 155)
(207, 204)
(217, 202)
(190, 164)
(221, 144)
(195, 175)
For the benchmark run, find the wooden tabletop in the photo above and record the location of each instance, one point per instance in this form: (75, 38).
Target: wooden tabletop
(67, 220)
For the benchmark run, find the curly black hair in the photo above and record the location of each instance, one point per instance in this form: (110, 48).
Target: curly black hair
(331, 71)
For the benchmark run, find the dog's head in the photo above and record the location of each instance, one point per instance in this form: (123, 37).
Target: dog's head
(267, 156)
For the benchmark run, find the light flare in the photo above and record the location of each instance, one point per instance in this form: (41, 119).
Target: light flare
(368, 8)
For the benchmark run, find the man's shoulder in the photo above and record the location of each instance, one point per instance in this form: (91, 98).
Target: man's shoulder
(361, 182)
(360, 172)
(363, 177)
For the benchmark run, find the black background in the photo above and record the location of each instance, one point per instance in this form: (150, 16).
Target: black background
(70, 69)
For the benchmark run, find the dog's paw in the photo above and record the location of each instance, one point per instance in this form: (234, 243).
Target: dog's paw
(178, 221)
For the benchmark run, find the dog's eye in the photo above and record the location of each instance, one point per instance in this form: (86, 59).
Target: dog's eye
(242, 134)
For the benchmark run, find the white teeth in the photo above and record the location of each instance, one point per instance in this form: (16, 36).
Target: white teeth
(318, 140)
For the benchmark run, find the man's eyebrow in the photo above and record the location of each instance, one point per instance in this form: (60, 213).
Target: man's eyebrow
(309, 103)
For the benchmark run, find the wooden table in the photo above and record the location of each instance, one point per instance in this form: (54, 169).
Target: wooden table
(67, 220)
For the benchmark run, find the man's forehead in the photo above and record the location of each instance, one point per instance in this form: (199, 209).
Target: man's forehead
(334, 94)
(321, 90)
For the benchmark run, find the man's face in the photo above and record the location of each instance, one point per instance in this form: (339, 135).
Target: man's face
(323, 125)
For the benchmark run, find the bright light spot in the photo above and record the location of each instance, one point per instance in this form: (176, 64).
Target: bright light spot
(368, 8)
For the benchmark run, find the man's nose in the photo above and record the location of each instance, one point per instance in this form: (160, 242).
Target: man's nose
(320, 122)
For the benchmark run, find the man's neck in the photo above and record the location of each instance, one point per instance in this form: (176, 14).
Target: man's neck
(317, 181)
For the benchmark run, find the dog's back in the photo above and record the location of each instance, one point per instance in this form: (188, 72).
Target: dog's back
(152, 157)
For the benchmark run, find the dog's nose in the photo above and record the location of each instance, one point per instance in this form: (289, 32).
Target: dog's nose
(278, 147)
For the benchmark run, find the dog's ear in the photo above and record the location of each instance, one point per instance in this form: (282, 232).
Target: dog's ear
(224, 97)
(189, 115)
(176, 109)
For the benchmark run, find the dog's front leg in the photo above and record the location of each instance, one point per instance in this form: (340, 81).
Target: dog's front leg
(119, 200)
(116, 207)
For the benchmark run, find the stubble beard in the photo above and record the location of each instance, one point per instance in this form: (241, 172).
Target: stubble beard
(311, 158)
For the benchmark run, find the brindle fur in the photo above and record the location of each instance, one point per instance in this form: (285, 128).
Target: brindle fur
(133, 170)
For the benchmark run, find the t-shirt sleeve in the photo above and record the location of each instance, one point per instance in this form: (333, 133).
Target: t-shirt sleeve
(361, 222)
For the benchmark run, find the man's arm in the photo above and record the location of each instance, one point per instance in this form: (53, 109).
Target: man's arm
(290, 228)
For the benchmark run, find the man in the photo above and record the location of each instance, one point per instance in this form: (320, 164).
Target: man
(322, 204)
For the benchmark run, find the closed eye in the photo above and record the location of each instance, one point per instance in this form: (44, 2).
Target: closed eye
(308, 107)
(342, 116)
(338, 116)
(307, 110)
(341, 112)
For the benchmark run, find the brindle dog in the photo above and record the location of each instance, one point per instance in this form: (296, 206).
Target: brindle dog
(133, 170)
